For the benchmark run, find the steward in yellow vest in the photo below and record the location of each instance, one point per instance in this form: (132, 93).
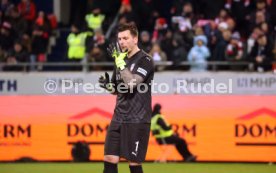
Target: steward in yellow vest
(165, 135)
(95, 19)
(76, 44)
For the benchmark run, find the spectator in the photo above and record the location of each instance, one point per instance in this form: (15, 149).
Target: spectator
(43, 22)
(89, 43)
(26, 42)
(198, 30)
(99, 39)
(165, 135)
(40, 38)
(261, 14)
(231, 4)
(39, 45)
(240, 10)
(179, 53)
(219, 52)
(261, 6)
(158, 55)
(97, 55)
(177, 6)
(223, 26)
(166, 44)
(160, 30)
(198, 54)
(95, 47)
(5, 6)
(15, 55)
(184, 25)
(127, 12)
(27, 9)
(235, 51)
(231, 24)
(185, 20)
(19, 24)
(6, 36)
(260, 18)
(100, 42)
(265, 28)
(209, 28)
(252, 38)
(145, 42)
(222, 17)
(261, 54)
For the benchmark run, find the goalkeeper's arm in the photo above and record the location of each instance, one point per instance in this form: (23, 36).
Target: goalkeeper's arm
(132, 80)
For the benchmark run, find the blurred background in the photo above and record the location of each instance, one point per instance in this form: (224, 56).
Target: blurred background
(228, 42)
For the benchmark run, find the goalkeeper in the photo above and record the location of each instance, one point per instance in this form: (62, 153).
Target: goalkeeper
(128, 133)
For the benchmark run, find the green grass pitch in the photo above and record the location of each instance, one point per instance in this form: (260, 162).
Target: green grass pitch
(148, 168)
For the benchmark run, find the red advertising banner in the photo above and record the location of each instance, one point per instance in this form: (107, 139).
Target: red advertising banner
(217, 128)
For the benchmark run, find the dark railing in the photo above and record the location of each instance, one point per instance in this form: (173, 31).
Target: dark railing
(92, 66)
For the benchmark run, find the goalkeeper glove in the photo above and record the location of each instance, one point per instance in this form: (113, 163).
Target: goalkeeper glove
(115, 51)
(105, 82)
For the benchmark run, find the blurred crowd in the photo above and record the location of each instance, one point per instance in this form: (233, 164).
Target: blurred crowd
(231, 32)
(24, 34)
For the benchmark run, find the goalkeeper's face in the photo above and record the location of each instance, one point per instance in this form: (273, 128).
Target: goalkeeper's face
(127, 41)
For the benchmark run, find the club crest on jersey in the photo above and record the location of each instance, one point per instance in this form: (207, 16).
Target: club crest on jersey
(132, 67)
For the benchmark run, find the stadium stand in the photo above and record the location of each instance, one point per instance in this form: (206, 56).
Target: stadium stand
(240, 35)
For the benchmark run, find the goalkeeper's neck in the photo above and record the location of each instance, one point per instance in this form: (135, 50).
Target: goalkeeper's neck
(133, 51)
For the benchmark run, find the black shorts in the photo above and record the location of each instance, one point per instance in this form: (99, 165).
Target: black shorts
(129, 141)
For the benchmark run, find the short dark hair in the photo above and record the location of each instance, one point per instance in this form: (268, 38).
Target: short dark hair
(129, 26)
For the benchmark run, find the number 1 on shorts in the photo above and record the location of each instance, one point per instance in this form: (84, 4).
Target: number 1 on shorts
(136, 148)
(137, 143)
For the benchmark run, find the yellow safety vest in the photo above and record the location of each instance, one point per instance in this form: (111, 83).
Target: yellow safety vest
(94, 22)
(76, 43)
(157, 128)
